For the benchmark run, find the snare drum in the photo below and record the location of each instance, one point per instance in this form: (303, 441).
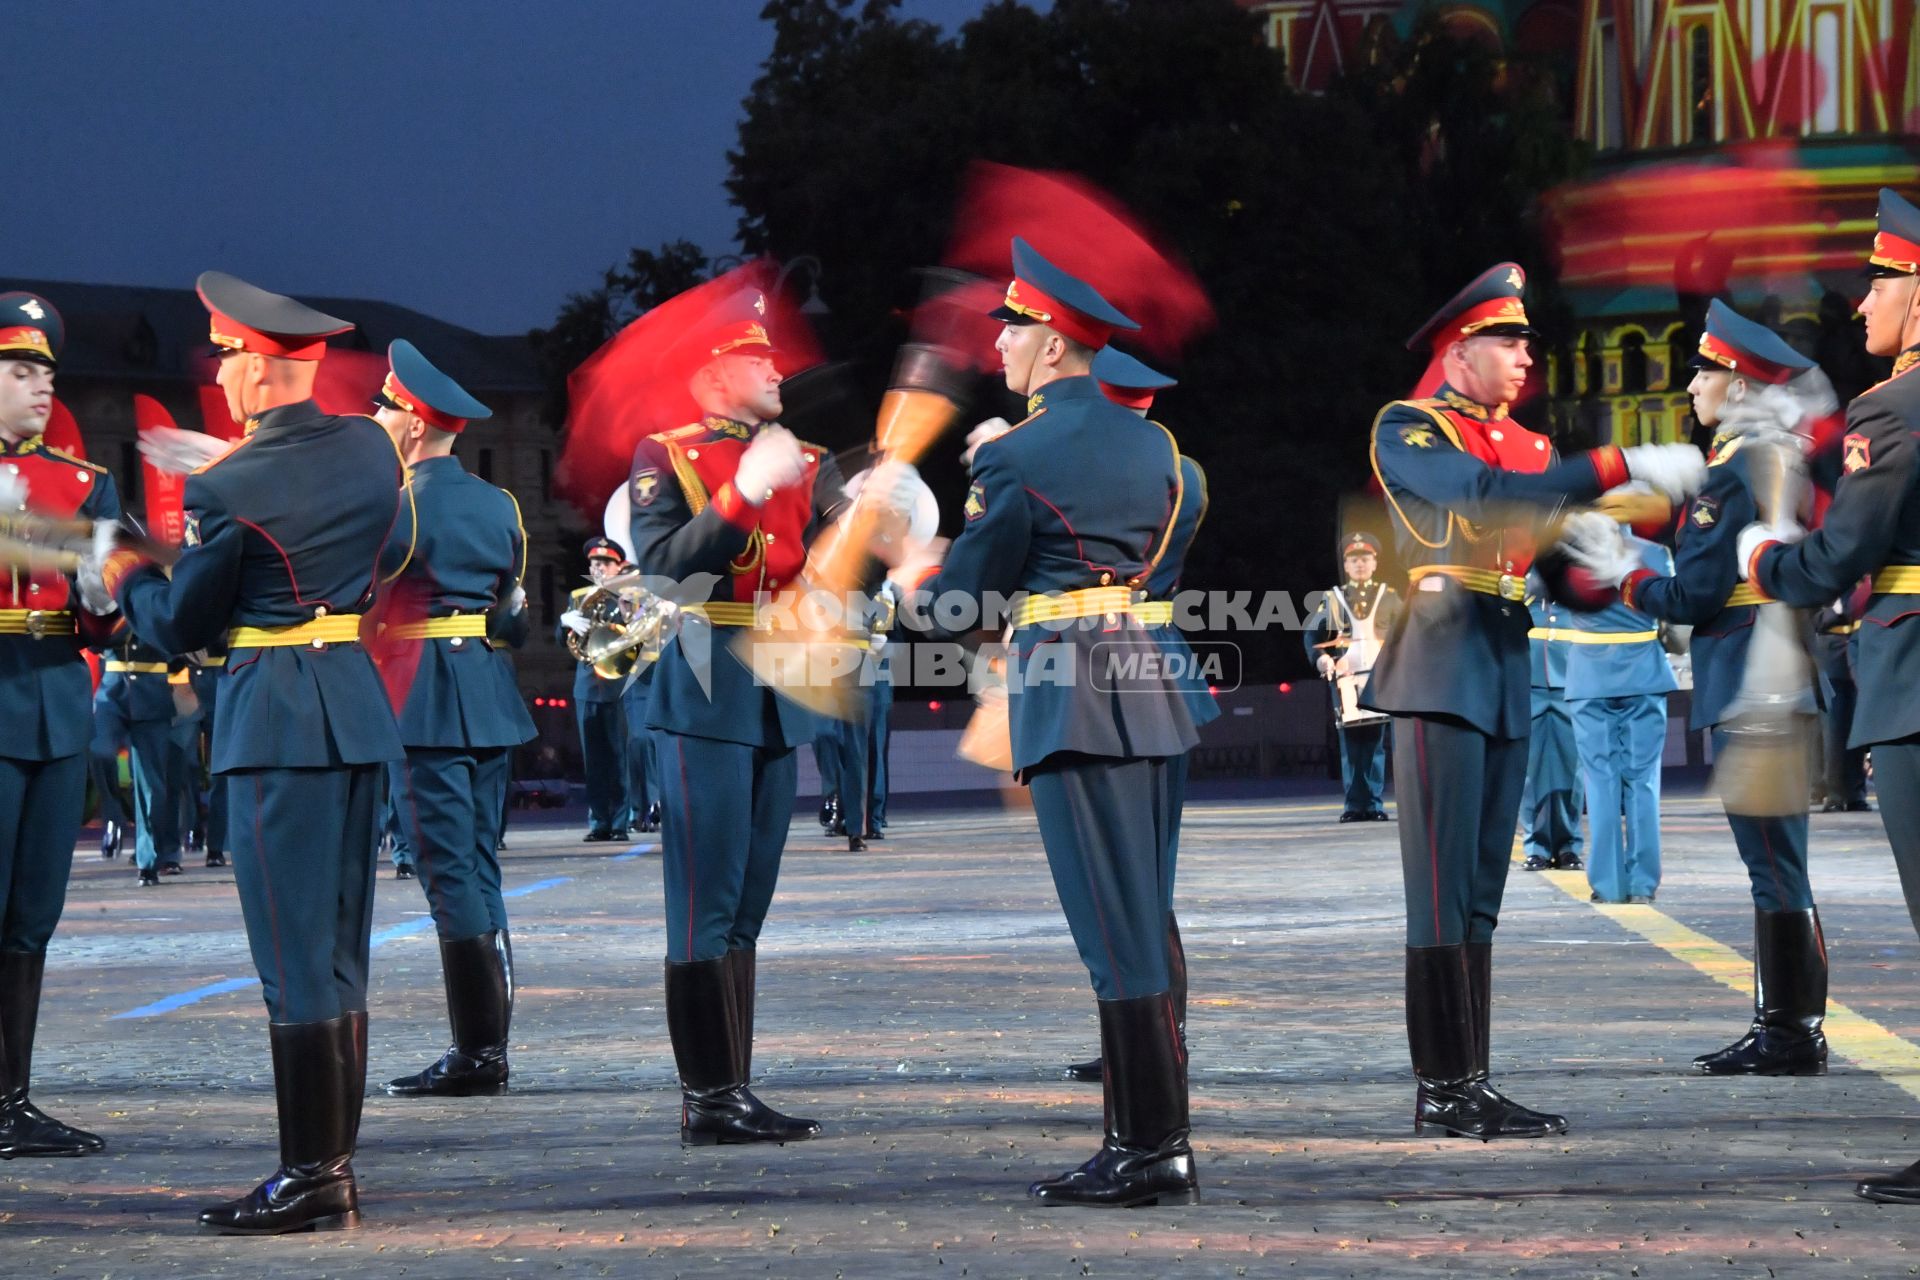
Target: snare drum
(1347, 689)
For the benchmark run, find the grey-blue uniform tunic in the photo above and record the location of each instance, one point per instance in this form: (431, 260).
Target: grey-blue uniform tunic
(290, 527)
(1083, 494)
(462, 711)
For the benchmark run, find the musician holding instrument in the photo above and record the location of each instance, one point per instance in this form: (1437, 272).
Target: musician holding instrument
(457, 590)
(732, 500)
(45, 620)
(1467, 487)
(597, 708)
(1343, 639)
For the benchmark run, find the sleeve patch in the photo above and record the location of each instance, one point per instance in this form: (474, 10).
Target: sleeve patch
(1417, 437)
(1859, 453)
(976, 502)
(646, 486)
(1705, 511)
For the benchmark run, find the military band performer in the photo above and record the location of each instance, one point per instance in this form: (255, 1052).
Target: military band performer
(148, 703)
(1738, 360)
(1132, 385)
(1873, 527)
(738, 497)
(597, 707)
(1078, 500)
(110, 738)
(45, 619)
(462, 714)
(1457, 473)
(1343, 638)
(1552, 801)
(284, 536)
(209, 665)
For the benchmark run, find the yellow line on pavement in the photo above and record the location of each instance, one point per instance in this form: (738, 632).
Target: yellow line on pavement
(1855, 1037)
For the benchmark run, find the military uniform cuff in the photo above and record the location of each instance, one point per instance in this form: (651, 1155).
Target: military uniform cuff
(735, 509)
(1753, 568)
(1633, 583)
(118, 566)
(1611, 466)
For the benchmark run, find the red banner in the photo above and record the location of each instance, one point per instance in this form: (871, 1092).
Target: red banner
(63, 432)
(345, 383)
(165, 490)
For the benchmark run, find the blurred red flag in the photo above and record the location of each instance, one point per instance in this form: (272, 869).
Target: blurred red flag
(344, 384)
(165, 490)
(402, 602)
(636, 384)
(1085, 231)
(956, 315)
(215, 420)
(63, 432)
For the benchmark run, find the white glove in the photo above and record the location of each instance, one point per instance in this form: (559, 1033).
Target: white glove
(1325, 664)
(1595, 543)
(171, 449)
(991, 429)
(895, 486)
(915, 561)
(576, 622)
(1676, 470)
(517, 602)
(93, 587)
(773, 461)
(1754, 534)
(13, 492)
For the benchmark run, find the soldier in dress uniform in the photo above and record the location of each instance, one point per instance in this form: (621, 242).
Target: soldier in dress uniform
(1737, 359)
(643, 771)
(1618, 679)
(1078, 501)
(736, 498)
(1343, 637)
(44, 689)
(1133, 385)
(110, 738)
(461, 568)
(1465, 484)
(1835, 629)
(284, 537)
(1552, 801)
(596, 708)
(1873, 527)
(877, 710)
(207, 666)
(148, 705)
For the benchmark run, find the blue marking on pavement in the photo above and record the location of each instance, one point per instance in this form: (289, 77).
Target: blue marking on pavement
(181, 1000)
(636, 851)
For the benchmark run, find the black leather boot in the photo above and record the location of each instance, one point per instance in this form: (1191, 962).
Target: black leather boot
(316, 1067)
(480, 1009)
(742, 974)
(1145, 1159)
(26, 1130)
(354, 1088)
(829, 813)
(110, 835)
(1789, 1002)
(1094, 1069)
(1892, 1188)
(1448, 1012)
(716, 1107)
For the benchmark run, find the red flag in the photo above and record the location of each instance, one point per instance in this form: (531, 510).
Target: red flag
(63, 432)
(401, 603)
(636, 384)
(166, 490)
(344, 384)
(1085, 231)
(215, 419)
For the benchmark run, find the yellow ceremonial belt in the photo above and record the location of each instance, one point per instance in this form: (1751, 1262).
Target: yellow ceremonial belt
(1507, 586)
(1091, 602)
(1897, 580)
(456, 624)
(1154, 613)
(335, 628)
(1844, 629)
(1744, 594)
(726, 613)
(1592, 637)
(37, 623)
(219, 661)
(138, 668)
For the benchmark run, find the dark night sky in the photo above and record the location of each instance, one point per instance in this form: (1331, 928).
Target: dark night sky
(474, 159)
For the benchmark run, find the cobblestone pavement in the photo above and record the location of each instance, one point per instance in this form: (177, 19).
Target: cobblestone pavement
(919, 999)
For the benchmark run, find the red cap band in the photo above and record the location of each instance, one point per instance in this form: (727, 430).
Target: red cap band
(1895, 253)
(393, 390)
(1484, 316)
(234, 336)
(1128, 397)
(1023, 299)
(26, 337)
(1741, 362)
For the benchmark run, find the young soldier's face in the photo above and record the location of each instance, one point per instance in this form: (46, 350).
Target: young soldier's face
(26, 398)
(1361, 565)
(1496, 368)
(1709, 391)
(1020, 347)
(753, 385)
(1888, 306)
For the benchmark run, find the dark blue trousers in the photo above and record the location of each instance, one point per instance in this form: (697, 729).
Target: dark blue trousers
(603, 754)
(109, 738)
(1553, 798)
(725, 810)
(643, 783)
(303, 858)
(1896, 772)
(1363, 765)
(856, 791)
(1177, 770)
(156, 807)
(1107, 825)
(1459, 796)
(40, 803)
(880, 715)
(1775, 853)
(448, 800)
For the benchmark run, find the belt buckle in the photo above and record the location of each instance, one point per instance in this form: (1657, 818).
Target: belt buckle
(36, 624)
(1512, 587)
